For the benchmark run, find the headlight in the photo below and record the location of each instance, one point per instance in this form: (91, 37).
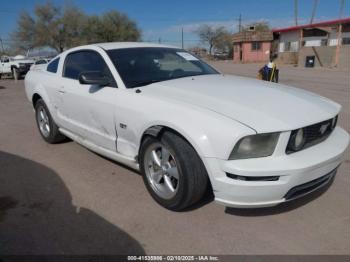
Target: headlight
(254, 146)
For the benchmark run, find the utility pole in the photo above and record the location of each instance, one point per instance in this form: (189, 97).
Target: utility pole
(296, 11)
(339, 37)
(313, 11)
(2, 46)
(182, 37)
(341, 8)
(240, 23)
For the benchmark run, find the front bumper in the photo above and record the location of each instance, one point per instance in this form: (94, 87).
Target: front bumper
(24, 69)
(294, 171)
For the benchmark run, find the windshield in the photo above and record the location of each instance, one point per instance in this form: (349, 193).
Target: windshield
(146, 65)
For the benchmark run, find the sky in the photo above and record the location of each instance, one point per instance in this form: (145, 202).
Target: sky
(162, 20)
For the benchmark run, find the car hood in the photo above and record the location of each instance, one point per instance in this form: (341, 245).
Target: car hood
(27, 61)
(263, 106)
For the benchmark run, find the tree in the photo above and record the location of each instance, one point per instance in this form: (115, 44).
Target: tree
(48, 29)
(61, 29)
(211, 35)
(116, 26)
(72, 25)
(24, 37)
(111, 26)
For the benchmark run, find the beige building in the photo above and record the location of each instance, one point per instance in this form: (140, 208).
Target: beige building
(325, 44)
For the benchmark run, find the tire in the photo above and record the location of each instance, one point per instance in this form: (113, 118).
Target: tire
(16, 74)
(46, 125)
(192, 179)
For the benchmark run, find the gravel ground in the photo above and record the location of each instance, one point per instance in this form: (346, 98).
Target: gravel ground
(64, 199)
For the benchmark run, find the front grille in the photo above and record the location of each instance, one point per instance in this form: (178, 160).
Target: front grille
(26, 64)
(309, 187)
(314, 134)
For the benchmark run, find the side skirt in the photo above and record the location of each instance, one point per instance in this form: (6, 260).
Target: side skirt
(128, 161)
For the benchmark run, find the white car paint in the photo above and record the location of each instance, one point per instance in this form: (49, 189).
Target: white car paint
(212, 112)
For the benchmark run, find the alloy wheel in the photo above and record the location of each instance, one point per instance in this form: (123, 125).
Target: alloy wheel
(161, 171)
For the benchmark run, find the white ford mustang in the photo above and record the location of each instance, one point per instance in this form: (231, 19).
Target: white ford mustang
(188, 128)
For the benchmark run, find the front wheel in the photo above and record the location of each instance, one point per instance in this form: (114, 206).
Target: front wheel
(172, 171)
(46, 125)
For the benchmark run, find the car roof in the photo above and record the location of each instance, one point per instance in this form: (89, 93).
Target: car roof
(118, 45)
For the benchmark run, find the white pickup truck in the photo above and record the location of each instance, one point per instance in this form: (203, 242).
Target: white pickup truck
(14, 67)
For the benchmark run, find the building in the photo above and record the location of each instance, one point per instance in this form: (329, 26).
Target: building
(326, 43)
(252, 46)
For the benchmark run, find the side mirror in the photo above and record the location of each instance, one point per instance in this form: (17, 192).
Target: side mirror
(94, 78)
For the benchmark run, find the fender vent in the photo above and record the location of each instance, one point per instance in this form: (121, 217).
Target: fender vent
(253, 178)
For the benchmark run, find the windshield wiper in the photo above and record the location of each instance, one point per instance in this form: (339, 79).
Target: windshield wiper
(145, 83)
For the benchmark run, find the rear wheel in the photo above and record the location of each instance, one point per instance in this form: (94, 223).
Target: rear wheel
(172, 171)
(46, 125)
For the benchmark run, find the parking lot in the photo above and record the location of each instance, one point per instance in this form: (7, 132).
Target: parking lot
(65, 199)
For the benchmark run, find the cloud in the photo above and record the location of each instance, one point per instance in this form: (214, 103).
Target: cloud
(232, 25)
(172, 34)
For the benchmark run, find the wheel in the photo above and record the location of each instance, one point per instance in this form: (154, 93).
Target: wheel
(172, 171)
(15, 73)
(46, 125)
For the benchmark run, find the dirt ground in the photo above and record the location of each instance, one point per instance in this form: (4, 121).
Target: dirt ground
(64, 199)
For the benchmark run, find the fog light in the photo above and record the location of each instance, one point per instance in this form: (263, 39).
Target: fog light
(334, 122)
(297, 140)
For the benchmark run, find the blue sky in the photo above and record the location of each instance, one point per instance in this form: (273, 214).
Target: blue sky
(164, 18)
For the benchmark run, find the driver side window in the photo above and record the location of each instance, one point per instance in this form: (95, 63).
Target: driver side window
(85, 61)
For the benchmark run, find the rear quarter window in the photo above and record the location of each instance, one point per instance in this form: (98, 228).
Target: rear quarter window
(53, 65)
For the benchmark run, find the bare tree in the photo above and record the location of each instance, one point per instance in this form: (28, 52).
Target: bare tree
(211, 35)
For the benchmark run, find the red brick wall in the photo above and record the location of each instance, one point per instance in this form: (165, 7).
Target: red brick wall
(236, 53)
(251, 56)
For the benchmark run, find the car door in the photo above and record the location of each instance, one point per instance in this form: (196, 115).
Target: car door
(88, 110)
